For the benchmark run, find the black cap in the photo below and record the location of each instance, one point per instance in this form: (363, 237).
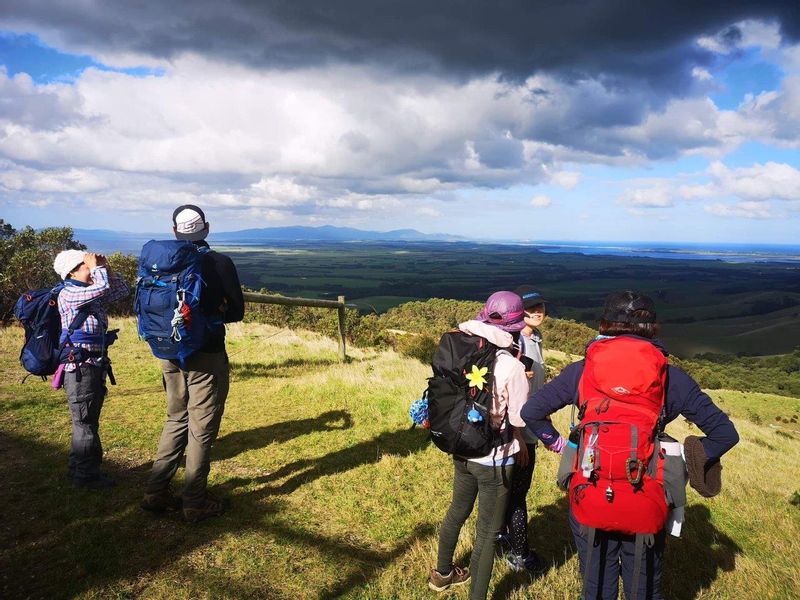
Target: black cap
(530, 297)
(621, 308)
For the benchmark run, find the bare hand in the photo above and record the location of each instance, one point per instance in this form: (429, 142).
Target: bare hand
(522, 456)
(90, 260)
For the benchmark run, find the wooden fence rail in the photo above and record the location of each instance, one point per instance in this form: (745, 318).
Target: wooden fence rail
(338, 304)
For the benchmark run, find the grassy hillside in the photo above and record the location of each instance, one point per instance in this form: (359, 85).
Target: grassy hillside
(332, 494)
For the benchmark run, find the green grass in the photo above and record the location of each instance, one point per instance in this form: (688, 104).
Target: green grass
(332, 494)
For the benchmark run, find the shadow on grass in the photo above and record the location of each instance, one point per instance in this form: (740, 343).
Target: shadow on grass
(550, 536)
(300, 472)
(693, 562)
(59, 542)
(240, 441)
(291, 367)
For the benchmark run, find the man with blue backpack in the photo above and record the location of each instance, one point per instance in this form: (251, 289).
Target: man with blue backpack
(89, 285)
(185, 294)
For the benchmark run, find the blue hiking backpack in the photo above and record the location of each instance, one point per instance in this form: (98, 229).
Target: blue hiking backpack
(37, 310)
(167, 304)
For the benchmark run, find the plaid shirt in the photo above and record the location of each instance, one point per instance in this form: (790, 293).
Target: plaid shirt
(103, 291)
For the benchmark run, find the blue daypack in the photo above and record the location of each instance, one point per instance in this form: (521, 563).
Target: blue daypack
(37, 310)
(167, 304)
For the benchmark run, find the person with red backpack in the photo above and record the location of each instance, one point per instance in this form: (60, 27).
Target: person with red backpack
(480, 472)
(613, 464)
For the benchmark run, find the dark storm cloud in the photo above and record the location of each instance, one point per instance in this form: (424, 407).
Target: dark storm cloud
(626, 39)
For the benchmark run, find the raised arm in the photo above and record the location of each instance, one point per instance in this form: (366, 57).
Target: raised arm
(76, 296)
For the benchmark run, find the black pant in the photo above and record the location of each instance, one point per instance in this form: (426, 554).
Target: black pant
(85, 399)
(612, 553)
(516, 521)
(490, 486)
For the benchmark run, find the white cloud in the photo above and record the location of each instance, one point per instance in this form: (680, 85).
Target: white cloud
(347, 138)
(759, 182)
(566, 179)
(744, 210)
(701, 74)
(541, 201)
(744, 34)
(658, 197)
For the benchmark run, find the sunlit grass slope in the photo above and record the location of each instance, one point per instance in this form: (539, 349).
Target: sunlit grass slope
(332, 494)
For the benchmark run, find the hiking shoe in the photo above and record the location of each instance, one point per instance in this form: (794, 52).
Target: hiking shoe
(96, 482)
(162, 501)
(530, 563)
(211, 507)
(439, 583)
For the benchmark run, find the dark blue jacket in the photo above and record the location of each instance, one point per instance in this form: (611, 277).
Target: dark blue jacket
(684, 397)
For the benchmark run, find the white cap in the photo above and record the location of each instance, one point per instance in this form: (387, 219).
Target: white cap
(190, 223)
(66, 261)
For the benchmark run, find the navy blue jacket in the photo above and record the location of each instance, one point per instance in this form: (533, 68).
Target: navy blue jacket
(684, 397)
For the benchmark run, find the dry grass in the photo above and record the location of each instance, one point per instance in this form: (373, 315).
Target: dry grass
(332, 494)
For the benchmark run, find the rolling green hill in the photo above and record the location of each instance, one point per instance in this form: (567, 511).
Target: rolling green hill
(332, 494)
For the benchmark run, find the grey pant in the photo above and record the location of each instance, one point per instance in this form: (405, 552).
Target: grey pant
(195, 403)
(490, 486)
(85, 399)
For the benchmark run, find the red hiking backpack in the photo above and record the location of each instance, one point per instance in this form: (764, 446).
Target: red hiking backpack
(617, 483)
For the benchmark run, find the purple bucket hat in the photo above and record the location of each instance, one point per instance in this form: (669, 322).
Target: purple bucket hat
(504, 311)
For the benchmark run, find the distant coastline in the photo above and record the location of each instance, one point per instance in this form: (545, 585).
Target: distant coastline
(130, 243)
(731, 253)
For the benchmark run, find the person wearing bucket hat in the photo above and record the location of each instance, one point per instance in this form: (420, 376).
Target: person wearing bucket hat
(487, 478)
(89, 286)
(631, 316)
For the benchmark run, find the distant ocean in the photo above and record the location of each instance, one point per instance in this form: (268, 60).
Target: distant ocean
(108, 242)
(732, 253)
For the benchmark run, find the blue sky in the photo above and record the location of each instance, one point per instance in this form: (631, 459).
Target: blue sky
(688, 139)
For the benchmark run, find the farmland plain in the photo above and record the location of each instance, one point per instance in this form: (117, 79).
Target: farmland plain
(704, 305)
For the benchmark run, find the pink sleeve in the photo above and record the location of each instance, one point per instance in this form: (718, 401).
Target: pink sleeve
(517, 388)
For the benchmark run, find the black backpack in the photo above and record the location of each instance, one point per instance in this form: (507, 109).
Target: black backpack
(460, 396)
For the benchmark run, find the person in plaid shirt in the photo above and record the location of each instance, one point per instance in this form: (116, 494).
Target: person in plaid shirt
(88, 284)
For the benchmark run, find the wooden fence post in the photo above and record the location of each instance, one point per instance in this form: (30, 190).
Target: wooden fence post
(342, 330)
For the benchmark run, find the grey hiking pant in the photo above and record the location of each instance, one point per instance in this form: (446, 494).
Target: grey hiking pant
(195, 403)
(490, 486)
(85, 400)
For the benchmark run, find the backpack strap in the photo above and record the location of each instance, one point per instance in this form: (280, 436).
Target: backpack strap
(587, 560)
(641, 540)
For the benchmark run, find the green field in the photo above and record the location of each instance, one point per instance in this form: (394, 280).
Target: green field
(704, 305)
(332, 494)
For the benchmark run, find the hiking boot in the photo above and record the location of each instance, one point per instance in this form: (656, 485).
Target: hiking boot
(439, 583)
(160, 502)
(95, 482)
(211, 507)
(530, 563)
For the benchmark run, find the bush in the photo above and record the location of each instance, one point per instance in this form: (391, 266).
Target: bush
(26, 260)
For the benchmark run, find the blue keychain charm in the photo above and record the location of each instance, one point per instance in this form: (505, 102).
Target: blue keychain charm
(473, 416)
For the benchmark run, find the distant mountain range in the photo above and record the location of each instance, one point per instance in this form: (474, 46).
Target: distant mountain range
(108, 241)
